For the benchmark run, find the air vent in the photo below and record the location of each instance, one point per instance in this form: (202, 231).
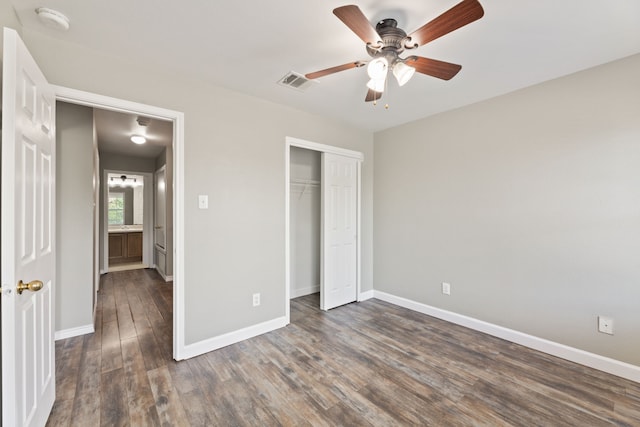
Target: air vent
(295, 81)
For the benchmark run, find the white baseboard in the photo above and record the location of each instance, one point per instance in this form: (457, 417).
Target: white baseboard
(196, 349)
(300, 292)
(74, 332)
(366, 295)
(164, 277)
(605, 364)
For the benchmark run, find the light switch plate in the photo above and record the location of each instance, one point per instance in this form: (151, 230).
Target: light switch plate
(446, 288)
(203, 201)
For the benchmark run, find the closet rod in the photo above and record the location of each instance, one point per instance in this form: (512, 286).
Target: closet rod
(304, 182)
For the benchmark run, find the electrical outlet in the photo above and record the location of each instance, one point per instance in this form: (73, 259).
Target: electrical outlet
(256, 300)
(446, 288)
(605, 325)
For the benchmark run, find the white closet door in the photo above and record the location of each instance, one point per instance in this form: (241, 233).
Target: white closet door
(339, 230)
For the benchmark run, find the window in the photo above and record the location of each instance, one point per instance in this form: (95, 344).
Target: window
(116, 208)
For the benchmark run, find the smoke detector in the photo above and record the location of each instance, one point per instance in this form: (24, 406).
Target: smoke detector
(143, 121)
(53, 19)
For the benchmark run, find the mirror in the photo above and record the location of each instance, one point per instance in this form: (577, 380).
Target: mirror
(126, 199)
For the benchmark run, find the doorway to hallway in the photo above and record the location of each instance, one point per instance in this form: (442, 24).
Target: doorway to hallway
(176, 160)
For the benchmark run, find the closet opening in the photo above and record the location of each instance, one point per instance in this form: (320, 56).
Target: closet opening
(305, 227)
(322, 224)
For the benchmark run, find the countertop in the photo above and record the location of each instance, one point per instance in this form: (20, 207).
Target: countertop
(126, 229)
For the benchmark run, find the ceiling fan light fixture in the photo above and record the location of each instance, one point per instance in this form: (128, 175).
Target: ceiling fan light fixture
(376, 85)
(403, 72)
(377, 68)
(138, 139)
(124, 181)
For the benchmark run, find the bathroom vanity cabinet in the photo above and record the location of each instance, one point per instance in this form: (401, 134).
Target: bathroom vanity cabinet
(125, 247)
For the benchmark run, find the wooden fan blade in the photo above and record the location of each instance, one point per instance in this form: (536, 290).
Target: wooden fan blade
(433, 67)
(353, 18)
(322, 73)
(458, 16)
(372, 95)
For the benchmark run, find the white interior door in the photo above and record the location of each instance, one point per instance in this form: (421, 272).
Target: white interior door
(28, 232)
(339, 231)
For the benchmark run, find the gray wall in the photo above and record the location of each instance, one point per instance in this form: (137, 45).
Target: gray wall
(9, 19)
(111, 161)
(528, 204)
(74, 216)
(235, 153)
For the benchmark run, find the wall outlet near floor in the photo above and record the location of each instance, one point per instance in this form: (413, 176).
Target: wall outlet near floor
(605, 325)
(446, 288)
(256, 300)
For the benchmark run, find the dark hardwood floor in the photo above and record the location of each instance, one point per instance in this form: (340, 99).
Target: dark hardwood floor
(365, 364)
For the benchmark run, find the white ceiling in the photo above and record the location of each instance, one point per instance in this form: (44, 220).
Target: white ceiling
(248, 45)
(114, 131)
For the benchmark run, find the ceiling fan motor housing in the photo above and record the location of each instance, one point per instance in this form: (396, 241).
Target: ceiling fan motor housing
(392, 39)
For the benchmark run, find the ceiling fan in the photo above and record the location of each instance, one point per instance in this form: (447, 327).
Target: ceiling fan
(386, 42)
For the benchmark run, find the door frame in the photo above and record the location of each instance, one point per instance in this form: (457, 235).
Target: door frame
(154, 201)
(147, 213)
(322, 148)
(93, 100)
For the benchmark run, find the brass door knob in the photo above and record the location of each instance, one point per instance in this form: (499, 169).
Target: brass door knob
(33, 286)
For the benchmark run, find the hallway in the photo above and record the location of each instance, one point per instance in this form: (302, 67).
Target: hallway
(109, 377)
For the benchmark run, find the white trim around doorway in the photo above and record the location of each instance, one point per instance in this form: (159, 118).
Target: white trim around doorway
(79, 97)
(301, 143)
